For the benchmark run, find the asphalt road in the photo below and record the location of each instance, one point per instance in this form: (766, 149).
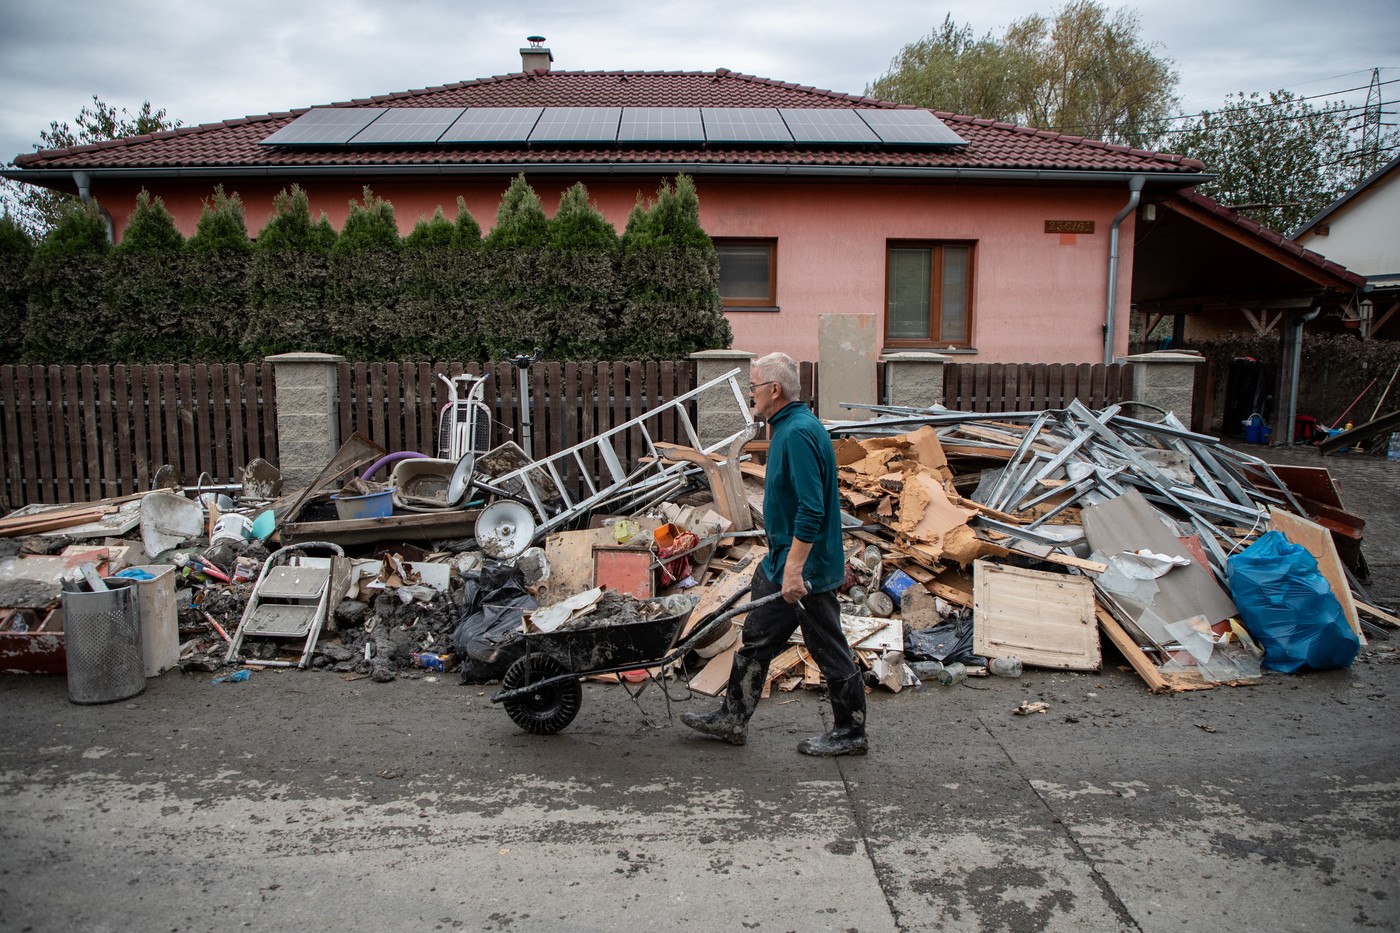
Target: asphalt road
(309, 801)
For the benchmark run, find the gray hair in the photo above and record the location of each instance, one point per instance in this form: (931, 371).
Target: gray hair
(782, 369)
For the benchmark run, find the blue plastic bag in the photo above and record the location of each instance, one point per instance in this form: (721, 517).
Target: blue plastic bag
(1286, 604)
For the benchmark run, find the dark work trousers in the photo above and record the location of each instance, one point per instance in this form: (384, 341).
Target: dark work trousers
(767, 629)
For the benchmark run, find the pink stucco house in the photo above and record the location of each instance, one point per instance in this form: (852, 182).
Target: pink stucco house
(991, 242)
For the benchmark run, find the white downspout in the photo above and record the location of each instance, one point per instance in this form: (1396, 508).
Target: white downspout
(1135, 195)
(84, 182)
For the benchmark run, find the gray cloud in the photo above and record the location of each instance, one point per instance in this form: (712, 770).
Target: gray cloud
(210, 62)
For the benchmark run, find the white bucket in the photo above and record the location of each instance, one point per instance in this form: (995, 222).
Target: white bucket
(232, 527)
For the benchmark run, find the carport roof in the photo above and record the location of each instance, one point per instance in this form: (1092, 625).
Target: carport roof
(1201, 253)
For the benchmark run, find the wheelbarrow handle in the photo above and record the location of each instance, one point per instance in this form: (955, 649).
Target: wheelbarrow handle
(709, 625)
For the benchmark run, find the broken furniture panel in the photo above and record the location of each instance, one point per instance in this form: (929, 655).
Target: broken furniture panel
(1317, 541)
(1045, 619)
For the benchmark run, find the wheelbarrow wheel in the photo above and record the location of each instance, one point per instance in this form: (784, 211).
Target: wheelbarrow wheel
(547, 710)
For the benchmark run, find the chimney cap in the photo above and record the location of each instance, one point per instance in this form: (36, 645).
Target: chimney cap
(534, 41)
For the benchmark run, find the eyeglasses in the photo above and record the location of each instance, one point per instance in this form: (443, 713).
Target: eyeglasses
(756, 385)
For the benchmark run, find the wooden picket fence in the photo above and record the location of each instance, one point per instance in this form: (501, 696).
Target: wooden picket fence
(80, 433)
(994, 387)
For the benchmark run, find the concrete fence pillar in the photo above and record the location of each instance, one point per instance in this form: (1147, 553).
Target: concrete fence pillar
(308, 422)
(1167, 379)
(717, 417)
(913, 378)
(846, 346)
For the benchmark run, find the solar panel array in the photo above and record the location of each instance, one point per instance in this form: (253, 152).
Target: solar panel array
(387, 126)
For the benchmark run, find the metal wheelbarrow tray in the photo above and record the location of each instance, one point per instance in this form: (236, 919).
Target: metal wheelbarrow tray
(541, 692)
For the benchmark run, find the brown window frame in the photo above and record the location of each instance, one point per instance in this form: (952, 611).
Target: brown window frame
(935, 323)
(768, 302)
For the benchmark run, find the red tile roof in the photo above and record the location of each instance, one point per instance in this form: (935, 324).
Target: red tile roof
(235, 143)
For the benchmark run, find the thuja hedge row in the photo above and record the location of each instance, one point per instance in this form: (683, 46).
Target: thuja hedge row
(569, 284)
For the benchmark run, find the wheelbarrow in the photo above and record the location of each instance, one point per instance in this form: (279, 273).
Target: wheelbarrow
(542, 692)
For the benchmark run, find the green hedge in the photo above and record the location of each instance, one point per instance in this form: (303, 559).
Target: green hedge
(568, 284)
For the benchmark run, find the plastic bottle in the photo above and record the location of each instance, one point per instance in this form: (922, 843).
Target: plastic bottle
(926, 670)
(1004, 667)
(951, 674)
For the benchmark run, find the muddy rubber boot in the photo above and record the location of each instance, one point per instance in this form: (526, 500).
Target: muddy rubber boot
(848, 710)
(731, 721)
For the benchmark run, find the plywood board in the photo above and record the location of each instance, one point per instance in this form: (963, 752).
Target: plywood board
(716, 594)
(1045, 619)
(570, 556)
(713, 679)
(1318, 542)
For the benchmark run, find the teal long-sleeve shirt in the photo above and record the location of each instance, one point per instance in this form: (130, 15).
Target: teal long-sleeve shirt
(800, 499)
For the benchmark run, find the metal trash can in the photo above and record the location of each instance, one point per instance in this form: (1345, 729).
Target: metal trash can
(102, 634)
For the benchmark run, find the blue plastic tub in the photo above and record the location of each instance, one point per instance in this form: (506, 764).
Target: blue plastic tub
(374, 505)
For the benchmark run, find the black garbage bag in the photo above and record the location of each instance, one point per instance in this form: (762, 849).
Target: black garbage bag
(488, 638)
(949, 642)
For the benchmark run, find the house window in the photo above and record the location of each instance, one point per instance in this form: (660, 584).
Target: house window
(928, 299)
(748, 273)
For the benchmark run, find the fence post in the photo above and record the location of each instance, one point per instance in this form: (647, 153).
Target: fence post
(308, 427)
(715, 415)
(1167, 379)
(913, 378)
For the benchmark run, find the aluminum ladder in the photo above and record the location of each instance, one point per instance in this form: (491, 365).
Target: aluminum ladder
(542, 487)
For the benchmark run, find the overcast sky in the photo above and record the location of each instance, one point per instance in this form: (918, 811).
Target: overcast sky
(206, 62)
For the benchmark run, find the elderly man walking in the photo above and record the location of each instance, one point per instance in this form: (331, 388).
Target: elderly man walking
(805, 560)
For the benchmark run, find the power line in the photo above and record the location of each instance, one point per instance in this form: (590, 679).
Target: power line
(1291, 100)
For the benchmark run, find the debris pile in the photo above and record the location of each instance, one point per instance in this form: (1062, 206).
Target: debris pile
(976, 545)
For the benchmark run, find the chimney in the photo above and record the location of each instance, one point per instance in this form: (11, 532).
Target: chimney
(536, 57)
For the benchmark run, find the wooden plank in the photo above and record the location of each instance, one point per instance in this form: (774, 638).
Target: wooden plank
(345, 390)
(571, 398)
(167, 433)
(267, 411)
(200, 417)
(231, 394)
(89, 468)
(1128, 647)
(1318, 542)
(713, 679)
(725, 588)
(142, 402)
(374, 405)
(550, 409)
(117, 429)
(218, 417)
(394, 408)
(1376, 612)
(109, 440)
(42, 457)
(9, 439)
(16, 525)
(667, 375)
(192, 462)
(414, 434)
(21, 486)
(424, 392)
